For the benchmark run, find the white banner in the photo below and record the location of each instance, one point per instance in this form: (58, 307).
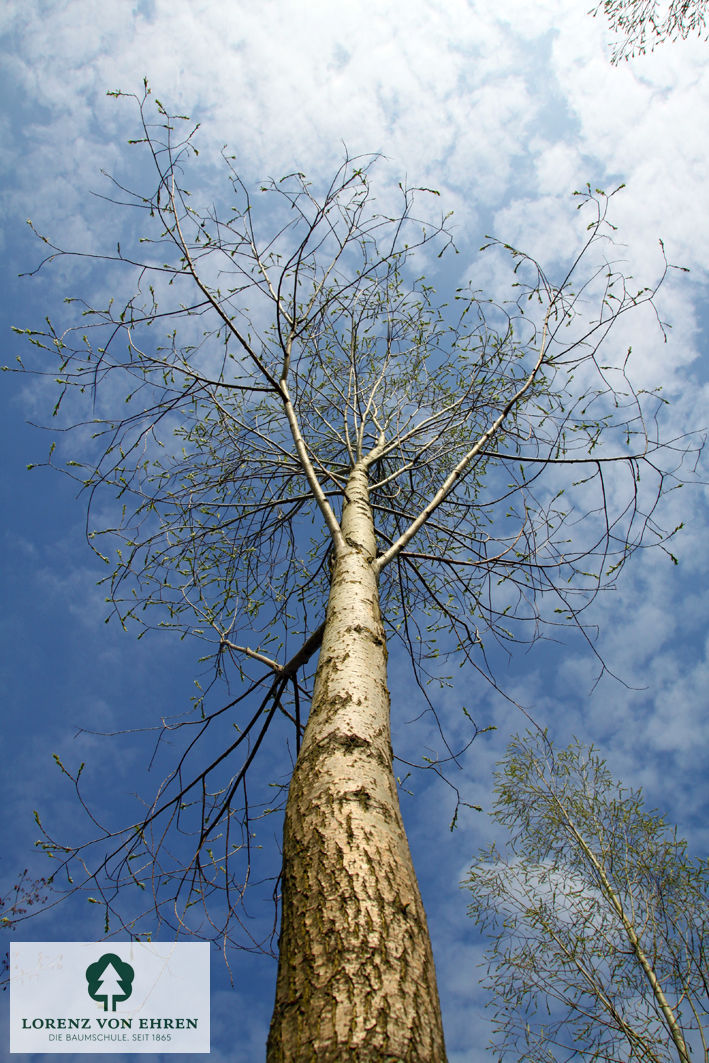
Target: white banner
(109, 996)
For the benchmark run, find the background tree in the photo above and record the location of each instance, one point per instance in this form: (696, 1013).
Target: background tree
(308, 446)
(641, 24)
(599, 918)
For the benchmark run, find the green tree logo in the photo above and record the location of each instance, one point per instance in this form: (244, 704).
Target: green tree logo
(110, 979)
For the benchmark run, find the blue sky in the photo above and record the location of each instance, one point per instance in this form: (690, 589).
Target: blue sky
(506, 113)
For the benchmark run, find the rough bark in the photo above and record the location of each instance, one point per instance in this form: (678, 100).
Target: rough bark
(356, 979)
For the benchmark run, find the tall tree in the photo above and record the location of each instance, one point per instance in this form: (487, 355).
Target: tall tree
(642, 24)
(313, 453)
(599, 919)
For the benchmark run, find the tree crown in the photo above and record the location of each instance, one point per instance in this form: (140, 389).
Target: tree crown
(597, 915)
(264, 353)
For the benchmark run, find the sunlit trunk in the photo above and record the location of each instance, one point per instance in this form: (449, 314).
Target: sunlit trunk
(356, 979)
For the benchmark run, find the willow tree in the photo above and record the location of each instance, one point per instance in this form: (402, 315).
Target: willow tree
(313, 453)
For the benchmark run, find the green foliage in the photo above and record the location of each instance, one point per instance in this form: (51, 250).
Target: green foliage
(598, 917)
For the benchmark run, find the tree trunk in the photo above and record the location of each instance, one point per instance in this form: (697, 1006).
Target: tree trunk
(356, 979)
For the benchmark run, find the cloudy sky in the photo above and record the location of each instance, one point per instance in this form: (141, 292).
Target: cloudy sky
(506, 112)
